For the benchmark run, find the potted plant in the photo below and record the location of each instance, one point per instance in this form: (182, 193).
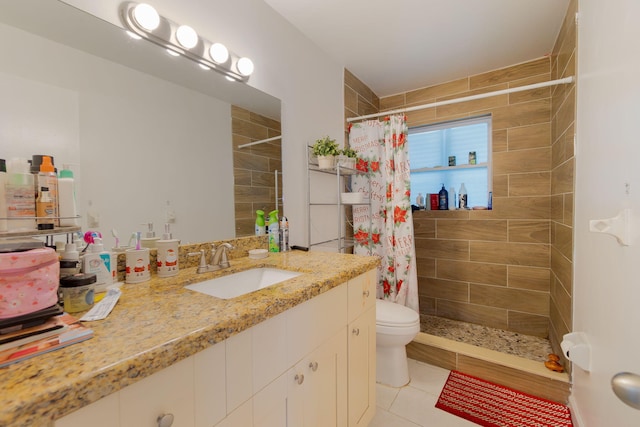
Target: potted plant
(326, 150)
(347, 158)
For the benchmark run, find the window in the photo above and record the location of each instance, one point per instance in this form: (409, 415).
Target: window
(440, 154)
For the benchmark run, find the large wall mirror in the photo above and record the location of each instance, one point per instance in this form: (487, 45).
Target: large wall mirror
(149, 137)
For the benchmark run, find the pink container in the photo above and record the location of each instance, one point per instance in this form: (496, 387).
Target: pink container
(28, 281)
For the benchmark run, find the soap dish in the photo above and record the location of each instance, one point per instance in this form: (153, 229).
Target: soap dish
(258, 253)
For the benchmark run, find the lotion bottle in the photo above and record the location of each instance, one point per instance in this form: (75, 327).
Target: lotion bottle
(98, 261)
(67, 208)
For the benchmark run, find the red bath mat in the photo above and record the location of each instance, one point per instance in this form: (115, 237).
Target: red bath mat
(493, 405)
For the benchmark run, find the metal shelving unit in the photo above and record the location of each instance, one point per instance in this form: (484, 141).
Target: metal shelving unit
(342, 242)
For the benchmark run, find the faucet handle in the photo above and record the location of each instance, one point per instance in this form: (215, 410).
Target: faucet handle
(203, 262)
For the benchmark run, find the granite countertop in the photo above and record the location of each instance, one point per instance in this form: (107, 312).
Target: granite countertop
(154, 325)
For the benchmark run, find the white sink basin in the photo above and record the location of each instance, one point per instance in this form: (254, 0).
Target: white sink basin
(236, 284)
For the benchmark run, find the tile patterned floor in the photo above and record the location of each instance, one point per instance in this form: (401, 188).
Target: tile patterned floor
(414, 404)
(527, 346)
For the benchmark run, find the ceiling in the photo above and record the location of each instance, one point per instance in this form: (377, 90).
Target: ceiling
(395, 46)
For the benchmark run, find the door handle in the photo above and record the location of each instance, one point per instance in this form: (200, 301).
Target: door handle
(626, 386)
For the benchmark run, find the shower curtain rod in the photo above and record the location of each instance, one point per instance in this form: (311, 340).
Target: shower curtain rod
(262, 141)
(565, 80)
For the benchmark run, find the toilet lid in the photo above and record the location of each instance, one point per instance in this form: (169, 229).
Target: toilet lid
(392, 314)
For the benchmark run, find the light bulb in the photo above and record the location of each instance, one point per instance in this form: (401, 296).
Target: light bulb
(187, 36)
(245, 66)
(146, 16)
(219, 53)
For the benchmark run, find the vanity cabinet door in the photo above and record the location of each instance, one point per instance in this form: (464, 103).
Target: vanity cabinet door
(317, 386)
(361, 294)
(167, 392)
(102, 413)
(362, 369)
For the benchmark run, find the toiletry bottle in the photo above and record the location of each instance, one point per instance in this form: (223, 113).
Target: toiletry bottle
(284, 234)
(462, 197)
(150, 239)
(167, 259)
(274, 235)
(44, 210)
(443, 199)
(260, 227)
(420, 201)
(47, 177)
(3, 195)
(69, 260)
(67, 208)
(20, 196)
(98, 261)
(452, 199)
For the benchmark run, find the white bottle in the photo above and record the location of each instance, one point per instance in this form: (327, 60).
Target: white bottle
(420, 201)
(67, 208)
(149, 240)
(462, 197)
(3, 196)
(452, 199)
(168, 254)
(98, 262)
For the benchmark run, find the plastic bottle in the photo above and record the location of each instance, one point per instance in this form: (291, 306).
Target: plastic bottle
(67, 208)
(452, 199)
(260, 227)
(462, 197)
(20, 196)
(98, 262)
(420, 201)
(274, 234)
(284, 234)
(150, 240)
(3, 195)
(443, 199)
(167, 259)
(69, 261)
(47, 177)
(44, 210)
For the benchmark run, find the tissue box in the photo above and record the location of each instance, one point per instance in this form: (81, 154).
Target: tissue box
(28, 281)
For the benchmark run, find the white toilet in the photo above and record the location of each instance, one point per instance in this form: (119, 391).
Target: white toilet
(396, 326)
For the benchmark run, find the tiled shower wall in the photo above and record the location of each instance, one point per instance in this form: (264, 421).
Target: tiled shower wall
(562, 180)
(254, 167)
(511, 267)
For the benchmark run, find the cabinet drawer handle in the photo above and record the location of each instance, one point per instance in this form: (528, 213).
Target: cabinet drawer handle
(356, 331)
(299, 378)
(165, 420)
(313, 366)
(366, 294)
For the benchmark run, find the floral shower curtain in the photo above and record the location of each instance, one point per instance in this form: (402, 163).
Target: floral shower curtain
(383, 175)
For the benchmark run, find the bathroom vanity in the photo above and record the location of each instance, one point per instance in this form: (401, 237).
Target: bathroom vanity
(300, 353)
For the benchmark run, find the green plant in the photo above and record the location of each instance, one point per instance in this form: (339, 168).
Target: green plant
(349, 153)
(325, 147)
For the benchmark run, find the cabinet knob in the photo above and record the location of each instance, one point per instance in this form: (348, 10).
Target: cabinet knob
(299, 378)
(356, 331)
(366, 294)
(313, 366)
(165, 420)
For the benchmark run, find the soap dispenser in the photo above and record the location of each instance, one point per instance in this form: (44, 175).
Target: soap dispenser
(168, 248)
(150, 240)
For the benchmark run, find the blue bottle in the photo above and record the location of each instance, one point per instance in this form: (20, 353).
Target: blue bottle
(443, 199)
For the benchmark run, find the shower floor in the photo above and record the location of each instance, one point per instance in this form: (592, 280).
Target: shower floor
(529, 347)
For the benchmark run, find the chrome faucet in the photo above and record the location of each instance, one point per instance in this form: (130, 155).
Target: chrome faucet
(219, 258)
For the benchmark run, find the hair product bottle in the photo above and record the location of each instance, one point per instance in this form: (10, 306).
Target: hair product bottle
(462, 197)
(47, 177)
(443, 199)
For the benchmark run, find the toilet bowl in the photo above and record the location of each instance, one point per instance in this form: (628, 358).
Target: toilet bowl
(396, 326)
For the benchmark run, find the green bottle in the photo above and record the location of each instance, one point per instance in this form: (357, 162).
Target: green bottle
(274, 232)
(260, 229)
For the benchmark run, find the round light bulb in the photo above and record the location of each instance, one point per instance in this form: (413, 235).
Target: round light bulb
(146, 16)
(245, 66)
(187, 36)
(219, 53)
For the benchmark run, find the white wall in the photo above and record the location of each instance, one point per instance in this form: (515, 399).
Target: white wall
(288, 66)
(607, 292)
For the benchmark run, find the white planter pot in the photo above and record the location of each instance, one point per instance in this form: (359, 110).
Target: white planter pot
(326, 162)
(347, 162)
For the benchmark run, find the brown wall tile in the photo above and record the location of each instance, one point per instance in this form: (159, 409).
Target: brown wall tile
(473, 313)
(532, 278)
(446, 289)
(491, 274)
(448, 249)
(510, 253)
(526, 231)
(471, 229)
(529, 324)
(523, 300)
(529, 184)
(527, 137)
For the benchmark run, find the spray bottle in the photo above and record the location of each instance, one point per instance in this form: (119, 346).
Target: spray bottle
(260, 227)
(284, 234)
(274, 232)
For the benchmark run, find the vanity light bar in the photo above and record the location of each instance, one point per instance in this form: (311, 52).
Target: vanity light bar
(142, 19)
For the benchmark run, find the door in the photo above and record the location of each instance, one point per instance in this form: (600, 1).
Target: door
(606, 285)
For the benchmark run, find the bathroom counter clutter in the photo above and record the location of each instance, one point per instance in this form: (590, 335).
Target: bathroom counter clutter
(156, 324)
